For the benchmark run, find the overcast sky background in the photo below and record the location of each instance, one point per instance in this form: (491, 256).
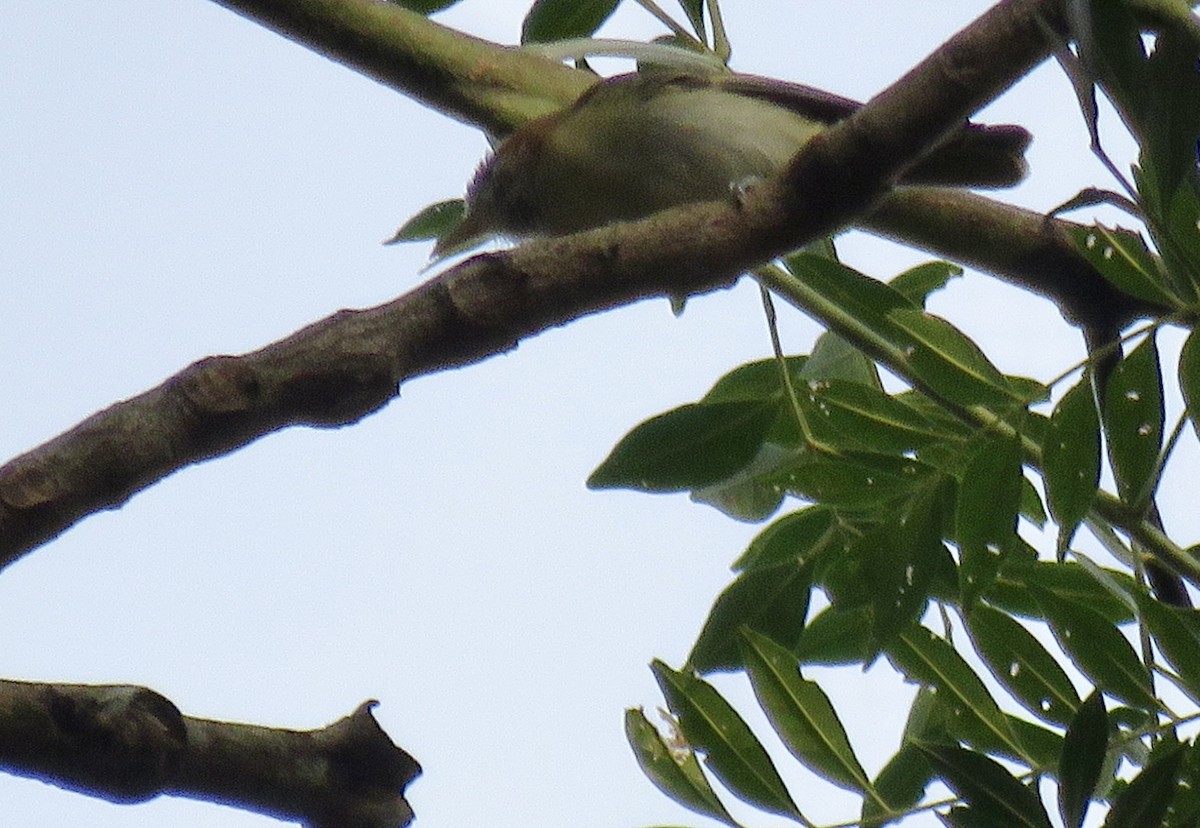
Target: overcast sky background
(177, 182)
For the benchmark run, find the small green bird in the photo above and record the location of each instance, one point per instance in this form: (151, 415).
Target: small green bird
(639, 143)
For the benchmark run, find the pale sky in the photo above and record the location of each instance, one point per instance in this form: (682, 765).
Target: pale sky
(179, 182)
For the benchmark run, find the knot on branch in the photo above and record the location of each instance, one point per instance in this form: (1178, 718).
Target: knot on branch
(119, 742)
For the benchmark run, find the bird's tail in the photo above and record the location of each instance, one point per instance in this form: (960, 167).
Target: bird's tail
(976, 156)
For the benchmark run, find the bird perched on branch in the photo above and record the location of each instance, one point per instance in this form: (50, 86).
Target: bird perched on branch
(638, 143)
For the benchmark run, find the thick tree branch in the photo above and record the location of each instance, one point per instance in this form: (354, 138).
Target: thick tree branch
(1019, 246)
(129, 744)
(924, 108)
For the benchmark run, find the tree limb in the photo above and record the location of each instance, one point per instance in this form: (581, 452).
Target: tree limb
(1018, 246)
(129, 744)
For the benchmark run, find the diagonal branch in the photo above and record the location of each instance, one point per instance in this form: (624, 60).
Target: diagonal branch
(129, 744)
(1018, 246)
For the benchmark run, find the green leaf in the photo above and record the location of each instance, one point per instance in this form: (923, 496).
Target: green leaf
(858, 417)
(985, 518)
(927, 717)
(948, 362)
(1082, 759)
(899, 561)
(1189, 377)
(1176, 631)
(900, 784)
(929, 660)
(1166, 13)
(1022, 665)
(1032, 745)
(564, 19)
(1031, 504)
(433, 222)
(732, 751)
(1132, 721)
(1072, 458)
(1122, 257)
(858, 481)
(771, 600)
(1042, 745)
(694, 445)
(801, 713)
(1109, 43)
(675, 773)
(694, 9)
(941, 356)
(424, 6)
(754, 382)
(853, 303)
(962, 816)
(1012, 590)
(857, 295)
(798, 536)
(1171, 121)
(1176, 236)
(1185, 807)
(918, 282)
(753, 492)
(986, 785)
(1146, 799)
(833, 358)
(894, 573)
(1098, 649)
(836, 636)
(955, 430)
(1133, 419)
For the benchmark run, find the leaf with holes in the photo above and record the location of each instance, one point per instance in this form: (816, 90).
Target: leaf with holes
(1122, 257)
(1133, 419)
(952, 365)
(732, 751)
(985, 513)
(1022, 665)
(1013, 593)
(1072, 457)
(681, 780)
(930, 661)
(1098, 649)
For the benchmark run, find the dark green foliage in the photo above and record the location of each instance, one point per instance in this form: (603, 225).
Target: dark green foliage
(424, 6)
(900, 519)
(1082, 760)
(562, 19)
